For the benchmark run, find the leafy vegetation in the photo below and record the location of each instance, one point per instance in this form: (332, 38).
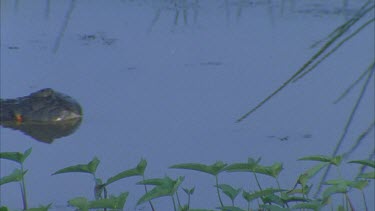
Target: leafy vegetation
(266, 196)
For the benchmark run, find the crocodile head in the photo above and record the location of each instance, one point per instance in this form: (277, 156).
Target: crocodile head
(47, 105)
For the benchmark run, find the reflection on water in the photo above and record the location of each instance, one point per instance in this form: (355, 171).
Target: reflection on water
(188, 12)
(46, 132)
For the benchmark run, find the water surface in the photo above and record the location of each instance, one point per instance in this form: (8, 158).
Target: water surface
(166, 82)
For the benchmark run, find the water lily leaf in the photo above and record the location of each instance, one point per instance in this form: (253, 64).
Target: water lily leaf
(164, 187)
(213, 169)
(251, 196)
(369, 163)
(16, 156)
(137, 171)
(81, 168)
(15, 176)
(322, 158)
(229, 191)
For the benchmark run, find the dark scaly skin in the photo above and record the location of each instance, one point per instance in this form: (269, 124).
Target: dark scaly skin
(43, 106)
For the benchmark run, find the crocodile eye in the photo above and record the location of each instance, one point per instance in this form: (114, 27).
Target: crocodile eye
(18, 117)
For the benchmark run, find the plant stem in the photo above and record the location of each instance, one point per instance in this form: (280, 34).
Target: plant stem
(178, 199)
(23, 189)
(174, 203)
(346, 127)
(217, 190)
(364, 199)
(151, 205)
(349, 201)
(188, 202)
(256, 179)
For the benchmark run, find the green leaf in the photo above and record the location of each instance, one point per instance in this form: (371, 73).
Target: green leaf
(340, 208)
(274, 208)
(368, 175)
(243, 167)
(358, 184)
(322, 158)
(230, 208)
(15, 176)
(273, 199)
(253, 166)
(142, 166)
(3, 208)
(41, 208)
(113, 202)
(307, 175)
(304, 190)
(314, 205)
(189, 191)
(81, 168)
(287, 199)
(229, 191)
(272, 171)
(164, 187)
(213, 169)
(342, 188)
(258, 194)
(369, 163)
(137, 171)
(80, 202)
(16, 156)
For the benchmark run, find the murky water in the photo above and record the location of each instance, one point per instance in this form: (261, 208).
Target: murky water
(166, 82)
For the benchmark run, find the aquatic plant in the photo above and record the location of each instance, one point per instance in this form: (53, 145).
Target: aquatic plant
(266, 196)
(100, 188)
(329, 45)
(18, 175)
